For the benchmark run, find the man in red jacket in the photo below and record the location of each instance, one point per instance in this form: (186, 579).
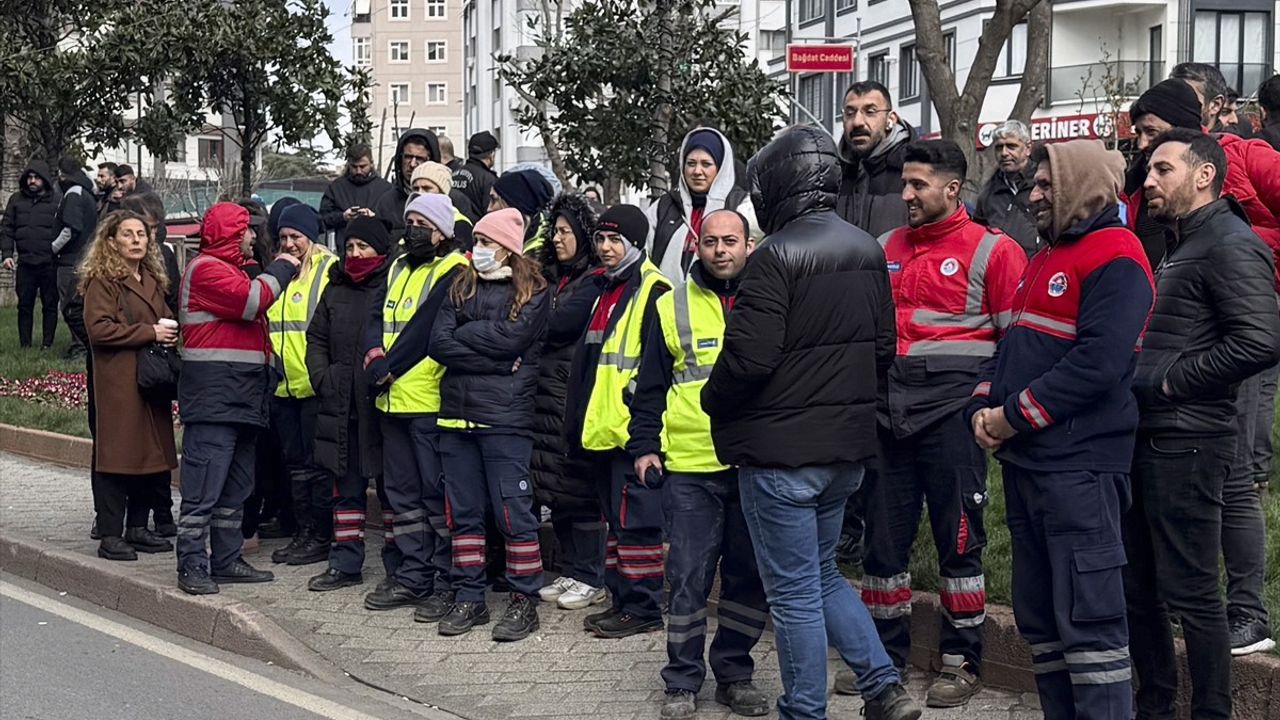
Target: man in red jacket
(226, 384)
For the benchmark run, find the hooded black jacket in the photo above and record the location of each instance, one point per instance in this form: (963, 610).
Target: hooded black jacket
(78, 216)
(1215, 323)
(870, 194)
(812, 334)
(1005, 204)
(30, 221)
(471, 185)
(345, 193)
(390, 205)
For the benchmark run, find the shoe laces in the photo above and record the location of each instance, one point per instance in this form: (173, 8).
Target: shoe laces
(516, 608)
(578, 587)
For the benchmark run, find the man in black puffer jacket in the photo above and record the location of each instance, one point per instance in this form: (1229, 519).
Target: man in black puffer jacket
(1214, 325)
(871, 158)
(792, 401)
(29, 226)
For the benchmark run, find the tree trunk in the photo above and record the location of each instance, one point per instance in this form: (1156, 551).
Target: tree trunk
(612, 190)
(659, 181)
(1035, 72)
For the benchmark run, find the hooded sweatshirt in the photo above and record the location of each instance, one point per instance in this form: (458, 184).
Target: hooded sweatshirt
(77, 216)
(30, 222)
(871, 189)
(390, 205)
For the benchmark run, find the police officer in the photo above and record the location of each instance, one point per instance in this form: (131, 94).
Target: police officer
(953, 283)
(600, 388)
(705, 526)
(293, 409)
(408, 387)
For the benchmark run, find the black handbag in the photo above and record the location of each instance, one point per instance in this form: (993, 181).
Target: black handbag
(159, 367)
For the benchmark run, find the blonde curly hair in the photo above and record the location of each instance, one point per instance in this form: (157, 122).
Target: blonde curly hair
(103, 259)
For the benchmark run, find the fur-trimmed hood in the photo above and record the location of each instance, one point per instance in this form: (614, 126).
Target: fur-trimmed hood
(582, 217)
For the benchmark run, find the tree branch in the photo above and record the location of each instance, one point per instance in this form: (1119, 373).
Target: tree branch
(1035, 72)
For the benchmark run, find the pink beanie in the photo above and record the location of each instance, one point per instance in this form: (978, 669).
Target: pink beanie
(505, 227)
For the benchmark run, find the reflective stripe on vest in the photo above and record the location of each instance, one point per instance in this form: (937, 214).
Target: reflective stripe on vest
(693, 322)
(288, 319)
(974, 317)
(418, 390)
(605, 425)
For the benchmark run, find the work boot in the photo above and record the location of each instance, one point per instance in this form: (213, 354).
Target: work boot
(679, 705)
(520, 619)
(165, 526)
(283, 554)
(334, 579)
(143, 540)
(462, 617)
(273, 530)
(313, 549)
(744, 698)
(393, 596)
(114, 548)
(625, 625)
(434, 607)
(953, 687)
(893, 703)
(240, 571)
(195, 580)
(589, 622)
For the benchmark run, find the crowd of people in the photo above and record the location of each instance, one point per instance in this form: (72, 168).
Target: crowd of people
(773, 367)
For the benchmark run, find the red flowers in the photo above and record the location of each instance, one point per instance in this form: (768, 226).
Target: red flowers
(61, 389)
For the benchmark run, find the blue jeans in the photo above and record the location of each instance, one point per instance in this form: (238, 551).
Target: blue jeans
(795, 517)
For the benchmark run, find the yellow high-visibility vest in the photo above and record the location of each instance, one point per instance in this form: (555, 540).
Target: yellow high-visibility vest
(693, 322)
(288, 319)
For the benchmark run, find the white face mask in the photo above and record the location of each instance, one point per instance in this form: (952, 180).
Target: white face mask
(484, 259)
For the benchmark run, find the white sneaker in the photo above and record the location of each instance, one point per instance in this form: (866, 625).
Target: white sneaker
(561, 586)
(581, 595)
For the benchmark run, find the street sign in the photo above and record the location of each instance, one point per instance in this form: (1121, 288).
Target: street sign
(803, 58)
(1068, 127)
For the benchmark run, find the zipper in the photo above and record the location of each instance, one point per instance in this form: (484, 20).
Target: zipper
(1048, 253)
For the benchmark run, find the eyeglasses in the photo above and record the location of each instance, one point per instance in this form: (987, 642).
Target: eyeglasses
(870, 113)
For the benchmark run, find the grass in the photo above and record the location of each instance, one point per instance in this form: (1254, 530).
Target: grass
(17, 363)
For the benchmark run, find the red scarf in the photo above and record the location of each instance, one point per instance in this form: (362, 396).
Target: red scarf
(360, 268)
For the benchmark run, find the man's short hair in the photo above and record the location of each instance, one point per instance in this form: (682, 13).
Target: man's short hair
(1201, 148)
(1214, 83)
(359, 151)
(110, 166)
(746, 225)
(1232, 96)
(1012, 128)
(123, 170)
(1269, 97)
(944, 156)
(869, 86)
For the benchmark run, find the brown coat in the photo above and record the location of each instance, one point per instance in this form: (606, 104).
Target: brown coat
(134, 437)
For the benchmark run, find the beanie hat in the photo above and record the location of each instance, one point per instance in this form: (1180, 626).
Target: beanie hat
(277, 209)
(300, 217)
(626, 220)
(482, 143)
(505, 227)
(372, 231)
(436, 173)
(524, 190)
(435, 208)
(1171, 100)
(708, 140)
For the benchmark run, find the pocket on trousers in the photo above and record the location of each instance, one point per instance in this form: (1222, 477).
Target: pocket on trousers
(641, 507)
(516, 487)
(517, 505)
(193, 478)
(1097, 585)
(973, 496)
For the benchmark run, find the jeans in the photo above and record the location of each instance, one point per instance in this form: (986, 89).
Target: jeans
(1173, 538)
(795, 516)
(1244, 529)
(30, 282)
(1262, 450)
(580, 539)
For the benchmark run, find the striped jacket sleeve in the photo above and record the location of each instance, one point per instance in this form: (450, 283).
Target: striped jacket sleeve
(217, 291)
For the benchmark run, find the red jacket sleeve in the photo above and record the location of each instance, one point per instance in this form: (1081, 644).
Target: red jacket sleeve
(1005, 268)
(227, 293)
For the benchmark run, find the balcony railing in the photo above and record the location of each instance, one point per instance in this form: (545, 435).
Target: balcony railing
(1117, 79)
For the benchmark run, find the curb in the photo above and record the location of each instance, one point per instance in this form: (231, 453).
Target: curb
(65, 450)
(226, 624)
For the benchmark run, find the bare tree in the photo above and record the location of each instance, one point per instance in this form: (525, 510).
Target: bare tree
(1036, 70)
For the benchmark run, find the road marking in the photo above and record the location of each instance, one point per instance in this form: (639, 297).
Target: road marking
(264, 686)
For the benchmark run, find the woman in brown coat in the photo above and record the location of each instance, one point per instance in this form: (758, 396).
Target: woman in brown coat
(123, 280)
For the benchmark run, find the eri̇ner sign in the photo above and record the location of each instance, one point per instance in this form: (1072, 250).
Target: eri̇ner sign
(1069, 127)
(820, 58)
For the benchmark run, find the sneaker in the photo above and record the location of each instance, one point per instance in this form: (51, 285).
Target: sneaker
(462, 617)
(334, 579)
(625, 625)
(954, 686)
(434, 608)
(744, 698)
(591, 621)
(114, 548)
(893, 703)
(560, 586)
(195, 580)
(143, 540)
(1249, 636)
(393, 596)
(581, 595)
(282, 555)
(312, 550)
(240, 571)
(679, 705)
(520, 619)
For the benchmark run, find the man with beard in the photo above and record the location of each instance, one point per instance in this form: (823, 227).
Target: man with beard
(77, 216)
(28, 228)
(416, 146)
(1214, 325)
(1004, 202)
(128, 183)
(353, 194)
(104, 183)
(871, 155)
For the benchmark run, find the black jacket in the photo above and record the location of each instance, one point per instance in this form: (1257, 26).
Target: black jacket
(30, 221)
(478, 346)
(1271, 134)
(389, 207)
(345, 193)
(335, 362)
(812, 332)
(77, 218)
(870, 194)
(1005, 204)
(471, 185)
(1215, 323)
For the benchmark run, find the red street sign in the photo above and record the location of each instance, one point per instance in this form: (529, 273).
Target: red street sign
(820, 58)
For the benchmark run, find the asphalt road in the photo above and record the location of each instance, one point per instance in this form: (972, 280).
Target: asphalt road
(61, 658)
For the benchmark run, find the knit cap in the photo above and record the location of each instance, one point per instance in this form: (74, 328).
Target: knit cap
(505, 227)
(301, 217)
(435, 208)
(372, 231)
(626, 220)
(436, 173)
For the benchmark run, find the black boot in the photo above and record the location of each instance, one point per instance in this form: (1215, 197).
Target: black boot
(313, 549)
(392, 597)
(195, 580)
(434, 607)
(143, 540)
(591, 621)
(273, 530)
(93, 530)
(283, 554)
(463, 617)
(114, 548)
(240, 571)
(334, 579)
(625, 625)
(520, 619)
(893, 703)
(165, 526)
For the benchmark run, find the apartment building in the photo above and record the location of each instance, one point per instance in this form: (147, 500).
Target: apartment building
(414, 50)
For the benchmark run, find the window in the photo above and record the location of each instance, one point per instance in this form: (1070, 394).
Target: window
(436, 9)
(437, 93)
(399, 9)
(773, 41)
(812, 98)
(210, 152)
(878, 68)
(399, 94)
(179, 151)
(398, 51)
(1237, 43)
(908, 74)
(362, 50)
(812, 10)
(1013, 56)
(436, 51)
(439, 130)
(360, 11)
(949, 48)
(843, 6)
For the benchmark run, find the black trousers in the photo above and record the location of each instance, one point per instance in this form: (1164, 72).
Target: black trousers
(1244, 528)
(66, 278)
(32, 281)
(125, 500)
(294, 424)
(1173, 538)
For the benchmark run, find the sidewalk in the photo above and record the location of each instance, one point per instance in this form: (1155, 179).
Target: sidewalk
(561, 672)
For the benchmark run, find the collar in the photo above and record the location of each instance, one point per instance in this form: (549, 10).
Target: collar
(503, 273)
(950, 225)
(704, 279)
(1195, 221)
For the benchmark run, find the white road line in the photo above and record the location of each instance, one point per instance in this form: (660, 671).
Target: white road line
(217, 668)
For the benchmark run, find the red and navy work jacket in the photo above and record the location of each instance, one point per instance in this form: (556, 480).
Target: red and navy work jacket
(953, 285)
(1063, 372)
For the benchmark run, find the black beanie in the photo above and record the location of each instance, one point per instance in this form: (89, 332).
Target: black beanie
(371, 230)
(626, 220)
(524, 190)
(277, 208)
(1171, 100)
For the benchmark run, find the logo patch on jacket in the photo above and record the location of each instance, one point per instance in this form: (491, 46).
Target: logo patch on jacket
(894, 266)
(408, 303)
(1058, 285)
(704, 343)
(950, 267)
(297, 297)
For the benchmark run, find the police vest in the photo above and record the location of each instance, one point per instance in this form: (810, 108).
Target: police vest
(418, 390)
(693, 321)
(288, 318)
(605, 425)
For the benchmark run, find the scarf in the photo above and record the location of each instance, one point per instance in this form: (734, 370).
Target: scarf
(631, 258)
(359, 269)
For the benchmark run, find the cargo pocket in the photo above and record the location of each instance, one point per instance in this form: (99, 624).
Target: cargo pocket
(641, 506)
(1097, 583)
(972, 533)
(517, 503)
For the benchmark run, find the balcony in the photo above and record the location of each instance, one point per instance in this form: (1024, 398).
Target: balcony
(1118, 80)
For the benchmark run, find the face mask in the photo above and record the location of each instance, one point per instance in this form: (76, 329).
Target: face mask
(418, 242)
(485, 260)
